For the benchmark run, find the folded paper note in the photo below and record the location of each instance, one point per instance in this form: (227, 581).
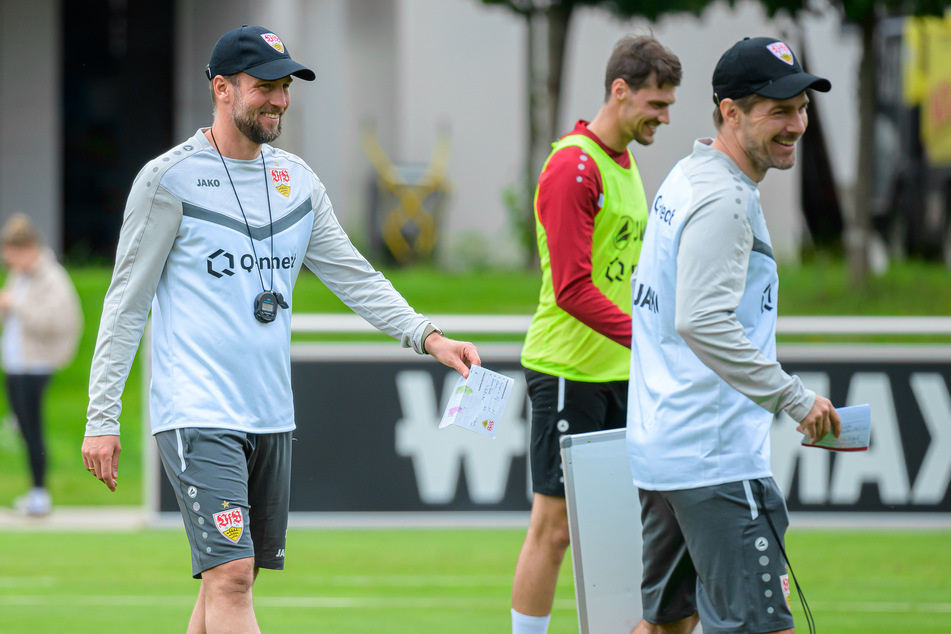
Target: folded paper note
(856, 430)
(477, 402)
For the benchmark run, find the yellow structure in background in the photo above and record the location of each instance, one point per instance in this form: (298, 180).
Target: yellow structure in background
(927, 82)
(409, 208)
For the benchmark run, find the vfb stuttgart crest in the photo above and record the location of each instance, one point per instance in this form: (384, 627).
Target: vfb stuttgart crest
(781, 51)
(230, 523)
(274, 42)
(281, 179)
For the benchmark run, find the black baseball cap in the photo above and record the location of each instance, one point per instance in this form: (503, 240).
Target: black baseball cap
(762, 66)
(256, 51)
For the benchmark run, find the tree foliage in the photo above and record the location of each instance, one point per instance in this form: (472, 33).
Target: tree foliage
(546, 63)
(649, 9)
(867, 14)
(547, 24)
(860, 10)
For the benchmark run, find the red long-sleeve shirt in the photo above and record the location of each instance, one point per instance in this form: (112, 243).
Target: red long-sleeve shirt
(568, 201)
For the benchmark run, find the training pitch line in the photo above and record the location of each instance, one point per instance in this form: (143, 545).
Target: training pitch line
(90, 518)
(414, 603)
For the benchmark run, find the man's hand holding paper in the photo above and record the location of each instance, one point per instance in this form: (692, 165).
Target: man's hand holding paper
(478, 401)
(854, 431)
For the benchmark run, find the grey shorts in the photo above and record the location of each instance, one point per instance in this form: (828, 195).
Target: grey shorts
(712, 550)
(233, 489)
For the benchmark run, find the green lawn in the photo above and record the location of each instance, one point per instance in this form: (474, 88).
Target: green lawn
(819, 287)
(425, 580)
(419, 580)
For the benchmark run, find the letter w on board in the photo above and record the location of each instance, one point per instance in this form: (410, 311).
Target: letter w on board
(822, 480)
(438, 454)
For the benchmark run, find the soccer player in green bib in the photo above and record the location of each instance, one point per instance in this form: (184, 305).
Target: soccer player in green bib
(591, 213)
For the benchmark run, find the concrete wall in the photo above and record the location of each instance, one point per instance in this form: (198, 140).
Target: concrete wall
(410, 68)
(30, 139)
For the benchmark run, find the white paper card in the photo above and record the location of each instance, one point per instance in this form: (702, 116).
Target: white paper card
(477, 402)
(856, 430)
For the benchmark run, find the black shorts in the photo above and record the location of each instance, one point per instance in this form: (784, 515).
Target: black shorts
(561, 407)
(233, 489)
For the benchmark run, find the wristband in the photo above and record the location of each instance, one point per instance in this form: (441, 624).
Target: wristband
(428, 330)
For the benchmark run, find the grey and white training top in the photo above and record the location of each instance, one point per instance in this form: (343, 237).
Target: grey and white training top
(184, 252)
(705, 383)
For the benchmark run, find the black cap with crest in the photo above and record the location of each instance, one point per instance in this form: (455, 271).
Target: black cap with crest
(256, 51)
(762, 66)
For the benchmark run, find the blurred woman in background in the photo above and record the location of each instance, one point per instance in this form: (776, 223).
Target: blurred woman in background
(42, 321)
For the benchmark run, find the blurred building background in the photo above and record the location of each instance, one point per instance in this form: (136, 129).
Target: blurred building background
(92, 89)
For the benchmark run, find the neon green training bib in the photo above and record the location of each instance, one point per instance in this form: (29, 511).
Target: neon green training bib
(557, 343)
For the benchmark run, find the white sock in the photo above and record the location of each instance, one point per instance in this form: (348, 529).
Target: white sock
(524, 624)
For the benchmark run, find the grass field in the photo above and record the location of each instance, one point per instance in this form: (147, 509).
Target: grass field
(419, 581)
(416, 580)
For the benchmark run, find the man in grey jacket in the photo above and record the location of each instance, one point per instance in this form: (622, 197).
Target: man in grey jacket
(705, 383)
(215, 233)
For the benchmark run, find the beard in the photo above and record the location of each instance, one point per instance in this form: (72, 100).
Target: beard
(761, 152)
(762, 157)
(246, 120)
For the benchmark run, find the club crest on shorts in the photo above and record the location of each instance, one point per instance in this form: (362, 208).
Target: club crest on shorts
(274, 42)
(230, 523)
(281, 179)
(784, 580)
(781, 51)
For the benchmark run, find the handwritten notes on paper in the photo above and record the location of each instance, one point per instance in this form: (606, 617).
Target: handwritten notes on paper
(477, 402)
